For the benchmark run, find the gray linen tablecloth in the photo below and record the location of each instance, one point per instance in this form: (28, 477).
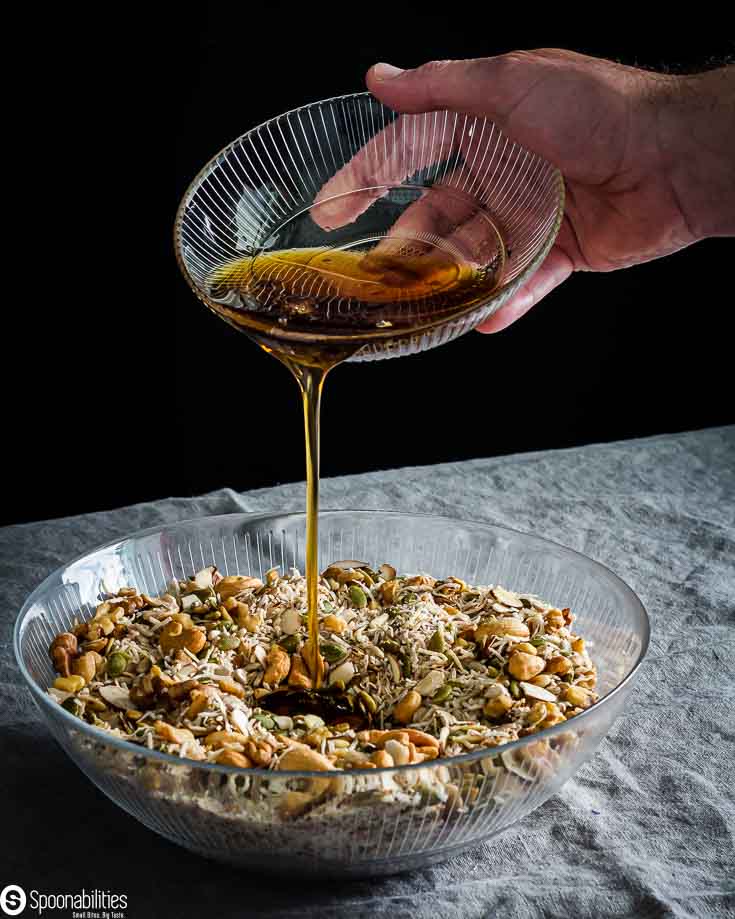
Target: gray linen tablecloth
(646, 828)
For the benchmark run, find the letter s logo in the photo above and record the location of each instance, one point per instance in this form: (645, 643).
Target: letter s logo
(12, 900)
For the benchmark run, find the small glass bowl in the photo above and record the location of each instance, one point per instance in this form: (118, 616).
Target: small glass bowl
(350, 175)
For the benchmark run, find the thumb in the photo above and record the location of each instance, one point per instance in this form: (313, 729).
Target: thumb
(468, 86)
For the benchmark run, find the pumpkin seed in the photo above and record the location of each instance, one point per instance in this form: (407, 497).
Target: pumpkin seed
(116, 663)
(436, 642)
(72, 705)
(290, 643)
(515, 689)
(432, 795)
(313, 722)
(331, 652)
(368, 701)
(265, 719)
(443, 694)
(394, 668)
(228, 644)
(357, 596)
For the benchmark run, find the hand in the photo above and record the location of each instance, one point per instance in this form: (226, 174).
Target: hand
(647, 158)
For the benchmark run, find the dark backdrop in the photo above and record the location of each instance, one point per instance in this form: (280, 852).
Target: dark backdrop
(121, 387)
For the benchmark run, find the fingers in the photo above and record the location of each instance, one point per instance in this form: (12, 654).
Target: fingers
(571, 109)
(491, 87)
(439, 102)
(442, 216)
(554, 271)
(445, 149)
(406, 146)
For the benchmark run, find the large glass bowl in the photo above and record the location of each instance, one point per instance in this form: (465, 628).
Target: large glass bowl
(252, 817)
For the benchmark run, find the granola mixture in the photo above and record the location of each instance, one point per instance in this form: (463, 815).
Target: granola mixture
(417, 668)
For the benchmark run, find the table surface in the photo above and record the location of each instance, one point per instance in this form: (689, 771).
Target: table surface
(646, 828)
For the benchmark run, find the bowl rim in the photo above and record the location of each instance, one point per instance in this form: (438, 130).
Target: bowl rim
(49, 708)
(501, 292)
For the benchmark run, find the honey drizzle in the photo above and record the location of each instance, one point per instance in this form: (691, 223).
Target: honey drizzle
(288, 300)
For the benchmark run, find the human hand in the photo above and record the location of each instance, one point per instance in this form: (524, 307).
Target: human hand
(647, 158)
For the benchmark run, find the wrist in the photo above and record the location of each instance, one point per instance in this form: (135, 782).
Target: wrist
(696, 143)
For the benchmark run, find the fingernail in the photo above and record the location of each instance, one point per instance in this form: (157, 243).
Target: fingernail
(385, 72)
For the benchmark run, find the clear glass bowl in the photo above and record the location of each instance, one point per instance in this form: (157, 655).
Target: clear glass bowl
(349, 175)
(256, 818)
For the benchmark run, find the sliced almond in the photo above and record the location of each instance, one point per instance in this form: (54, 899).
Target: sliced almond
(505, 596)
(347, 565)
(537, 692)
(203, 579)
(290, 621)
(432, 682)
(116, 696)
(345, 672)
(233, 585)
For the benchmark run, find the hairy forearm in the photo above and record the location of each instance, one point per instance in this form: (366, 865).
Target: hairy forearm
(696, 140)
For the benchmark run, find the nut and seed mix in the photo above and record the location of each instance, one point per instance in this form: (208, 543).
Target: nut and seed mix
(417, 668)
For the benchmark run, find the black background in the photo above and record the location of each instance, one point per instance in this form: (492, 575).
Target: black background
(121, 387)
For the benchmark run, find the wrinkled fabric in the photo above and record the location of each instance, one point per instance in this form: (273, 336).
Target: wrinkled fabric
(646, 828)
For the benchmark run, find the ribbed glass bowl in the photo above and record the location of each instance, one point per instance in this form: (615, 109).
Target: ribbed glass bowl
(360, 828)
(348, 174)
